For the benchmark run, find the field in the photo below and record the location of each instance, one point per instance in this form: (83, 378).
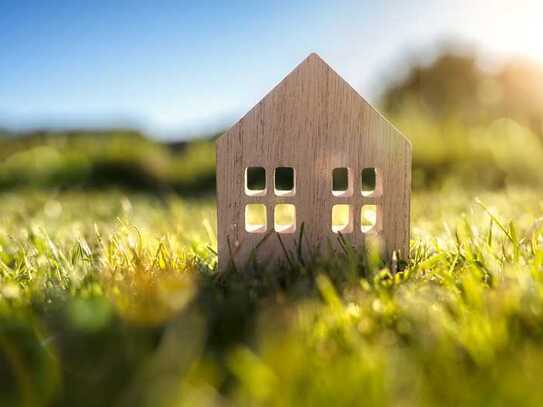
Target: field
(109, 293)
(110, 297)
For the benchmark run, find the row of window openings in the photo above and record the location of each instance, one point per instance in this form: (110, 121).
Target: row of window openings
(285, 181)
(285, 218)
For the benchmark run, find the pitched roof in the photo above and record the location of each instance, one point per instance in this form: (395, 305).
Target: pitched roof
(316, 78)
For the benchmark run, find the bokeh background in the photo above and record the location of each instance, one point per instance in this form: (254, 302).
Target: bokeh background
(115, 94)
(108, 292)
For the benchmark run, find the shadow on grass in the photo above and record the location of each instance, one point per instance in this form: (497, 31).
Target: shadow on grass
(79, 351)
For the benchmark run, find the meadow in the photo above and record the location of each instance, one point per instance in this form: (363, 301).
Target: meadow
(109, 293)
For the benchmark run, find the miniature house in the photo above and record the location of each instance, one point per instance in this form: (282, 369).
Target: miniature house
(311, 155)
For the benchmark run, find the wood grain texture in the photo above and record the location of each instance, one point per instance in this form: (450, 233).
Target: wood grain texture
(314, 122)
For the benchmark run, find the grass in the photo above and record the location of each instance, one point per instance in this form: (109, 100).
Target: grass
(111, 298)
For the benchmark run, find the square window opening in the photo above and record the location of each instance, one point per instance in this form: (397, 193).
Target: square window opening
(341, 182)
(255, 218)
(255, 181)
(284, 218)
(342, 219)
(370, 182)
(370, 219)
(285, 181)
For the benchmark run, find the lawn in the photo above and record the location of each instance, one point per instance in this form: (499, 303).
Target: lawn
(110, 297)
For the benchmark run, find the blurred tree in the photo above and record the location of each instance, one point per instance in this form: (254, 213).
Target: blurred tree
(522, 89)
(455, 86)
(446, 87)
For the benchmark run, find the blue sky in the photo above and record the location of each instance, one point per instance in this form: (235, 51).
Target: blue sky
(176, 67)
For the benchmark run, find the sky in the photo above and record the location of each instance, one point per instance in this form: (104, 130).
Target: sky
(176, 68)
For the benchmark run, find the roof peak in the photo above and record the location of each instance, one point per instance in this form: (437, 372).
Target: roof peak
(314, 57)
(315, 78)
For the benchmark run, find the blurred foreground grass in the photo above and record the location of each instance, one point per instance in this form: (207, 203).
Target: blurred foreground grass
(111, 298)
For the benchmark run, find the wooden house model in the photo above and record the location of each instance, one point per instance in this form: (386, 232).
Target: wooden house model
(311, 152)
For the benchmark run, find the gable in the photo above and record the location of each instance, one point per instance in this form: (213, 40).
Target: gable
(312, 102)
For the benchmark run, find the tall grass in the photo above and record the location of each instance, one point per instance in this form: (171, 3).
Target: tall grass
(123, 306)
